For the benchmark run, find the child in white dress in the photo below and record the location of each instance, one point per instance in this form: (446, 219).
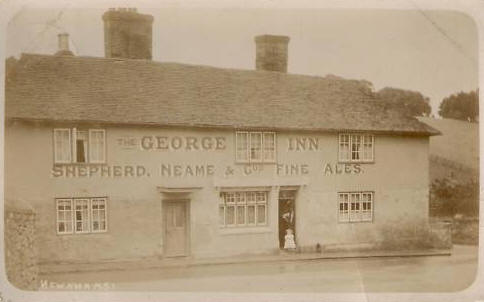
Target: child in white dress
(289, 243)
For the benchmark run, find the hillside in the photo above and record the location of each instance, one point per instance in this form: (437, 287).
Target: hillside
(455, 153)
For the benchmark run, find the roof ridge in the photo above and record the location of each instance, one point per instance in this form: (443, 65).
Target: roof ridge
(329, 76)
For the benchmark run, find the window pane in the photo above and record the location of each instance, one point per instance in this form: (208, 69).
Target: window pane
(255, 146)
(230, 215)
(229, 197)
(261, 197)
(98, 214)
(344, 147)
(240, 197)
(251, 214)
(355, 202)
(261, 214)
(82, 215)
(63, 203)
(368, 147)
(97, 145)
(251, 197)
(269, 146)
(64, 216)
(240, 214)
(355, 147)
(95, 225)
(62, 227)
(242, 143)
(62, 145)
(68, 226)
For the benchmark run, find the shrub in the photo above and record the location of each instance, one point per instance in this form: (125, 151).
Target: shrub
(448, 198)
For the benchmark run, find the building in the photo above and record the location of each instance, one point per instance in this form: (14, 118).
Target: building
(125, 158)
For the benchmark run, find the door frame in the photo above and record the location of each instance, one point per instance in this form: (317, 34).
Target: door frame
(294, 199)
(186, 202)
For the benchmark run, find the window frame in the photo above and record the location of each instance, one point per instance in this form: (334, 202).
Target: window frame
(357, 217)
(247, 202)
(247, 147)
(105, 215)
(90, 221)
(73, 146)
(90, 144)
(55, 146)
(57, 201)
(87, 220)
(262, 148)
(362, 151)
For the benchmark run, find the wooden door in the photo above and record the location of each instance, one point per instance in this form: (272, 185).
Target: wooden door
(176, 230)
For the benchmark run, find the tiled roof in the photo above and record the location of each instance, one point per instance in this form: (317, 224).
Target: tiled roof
(143, 92)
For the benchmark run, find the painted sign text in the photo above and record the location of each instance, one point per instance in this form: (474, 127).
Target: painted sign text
(188, 143)
(331, 169)
(302, 144)
(99, 170)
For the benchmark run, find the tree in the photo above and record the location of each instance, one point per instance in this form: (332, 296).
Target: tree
(411, 103)
(461, 106)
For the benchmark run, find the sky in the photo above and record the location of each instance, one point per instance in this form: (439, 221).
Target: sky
(433, 52)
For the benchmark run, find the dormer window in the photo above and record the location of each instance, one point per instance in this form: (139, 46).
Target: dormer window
(72, 145)
(255, 147)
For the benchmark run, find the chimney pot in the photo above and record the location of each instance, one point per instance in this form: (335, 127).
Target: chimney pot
(271, 53)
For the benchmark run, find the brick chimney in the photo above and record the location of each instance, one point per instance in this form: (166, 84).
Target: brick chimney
(63, 44)
(271, 53)
(127, 34)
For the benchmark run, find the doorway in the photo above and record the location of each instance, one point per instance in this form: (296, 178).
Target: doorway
(287, 214)
(176, 227)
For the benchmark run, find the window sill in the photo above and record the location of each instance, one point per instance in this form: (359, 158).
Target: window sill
(255, 162)
(244, 230)
(80, 164)
(357, 162)
(355, 221)
(82, 234)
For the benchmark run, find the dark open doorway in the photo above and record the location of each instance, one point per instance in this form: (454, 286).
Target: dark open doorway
(287, 214)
